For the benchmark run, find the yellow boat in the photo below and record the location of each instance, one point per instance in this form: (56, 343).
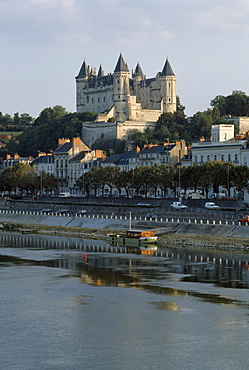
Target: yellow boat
(136, 238)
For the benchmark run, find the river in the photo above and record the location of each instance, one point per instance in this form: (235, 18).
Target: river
(70, 304)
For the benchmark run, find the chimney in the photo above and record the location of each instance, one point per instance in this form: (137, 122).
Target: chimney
(63, 141)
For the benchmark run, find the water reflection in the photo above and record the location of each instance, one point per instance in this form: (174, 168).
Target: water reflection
(119, 268)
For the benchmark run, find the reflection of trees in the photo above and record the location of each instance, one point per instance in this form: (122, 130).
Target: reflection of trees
(101, 268)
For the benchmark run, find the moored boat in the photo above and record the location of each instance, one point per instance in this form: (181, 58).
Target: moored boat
(136, 238)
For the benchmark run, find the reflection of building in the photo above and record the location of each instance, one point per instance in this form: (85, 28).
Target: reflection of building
(123, 102)
(206, 266)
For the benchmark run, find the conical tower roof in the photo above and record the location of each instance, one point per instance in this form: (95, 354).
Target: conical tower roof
(138, 70)
(84, 70)
(167, 69)
(101, 71)
(121, 66)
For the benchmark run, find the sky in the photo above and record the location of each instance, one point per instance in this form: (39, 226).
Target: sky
(44, 42)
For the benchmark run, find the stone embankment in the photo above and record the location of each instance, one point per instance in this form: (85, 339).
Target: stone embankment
(222, 235)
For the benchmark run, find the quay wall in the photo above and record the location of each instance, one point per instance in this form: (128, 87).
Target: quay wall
(115, 223)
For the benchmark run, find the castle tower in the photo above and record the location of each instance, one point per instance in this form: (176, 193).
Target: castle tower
(121, 90)
(81, 82)
(168, 88)
(137, 77)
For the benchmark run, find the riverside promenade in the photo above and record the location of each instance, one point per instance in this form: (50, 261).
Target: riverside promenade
(161, 225)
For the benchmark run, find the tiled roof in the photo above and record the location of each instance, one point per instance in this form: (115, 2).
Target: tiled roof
(64, 148)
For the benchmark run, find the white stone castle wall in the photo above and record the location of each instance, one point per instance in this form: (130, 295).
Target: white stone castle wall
(92, 131)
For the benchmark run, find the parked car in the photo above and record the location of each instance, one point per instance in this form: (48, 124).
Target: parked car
(143, 204)
(211, 205)
(150, 216)
(62, 212)
(80, 212)
(46, 211)
(178, 205)
(244, 219)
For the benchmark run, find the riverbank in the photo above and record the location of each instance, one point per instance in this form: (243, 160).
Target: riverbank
(165, 238)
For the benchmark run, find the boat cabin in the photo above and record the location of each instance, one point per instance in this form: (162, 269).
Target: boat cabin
(139, 233)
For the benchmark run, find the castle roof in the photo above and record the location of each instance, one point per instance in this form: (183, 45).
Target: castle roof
(138, 70)
(167, 69)
(101, 71)
(121, 66)
(84, 70)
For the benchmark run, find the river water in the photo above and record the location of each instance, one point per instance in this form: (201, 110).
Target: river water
(69, 304)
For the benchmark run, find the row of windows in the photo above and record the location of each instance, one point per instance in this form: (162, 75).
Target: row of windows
(88, 99)
(216, 157)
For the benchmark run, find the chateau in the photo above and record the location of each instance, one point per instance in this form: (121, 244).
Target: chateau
(123, 102)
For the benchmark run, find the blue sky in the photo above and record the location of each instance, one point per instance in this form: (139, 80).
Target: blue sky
(44, 42)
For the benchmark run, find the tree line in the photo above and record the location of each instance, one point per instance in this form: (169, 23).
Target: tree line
(144, 180)
(42, 133)
(22, 178)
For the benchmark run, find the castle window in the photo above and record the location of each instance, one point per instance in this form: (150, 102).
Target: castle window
(98, 100)
(229, 157)
(92, 100)
(215, 157)
(208, 157)
(236, 157)
(104, 98)
(87, 99)
(169, 99)
(222, 158)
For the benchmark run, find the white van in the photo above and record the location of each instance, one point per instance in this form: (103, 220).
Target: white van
(211, 205)
(64, 195)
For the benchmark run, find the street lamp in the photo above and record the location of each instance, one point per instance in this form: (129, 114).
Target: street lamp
(228, 182)
(179, 183)
(41, 181)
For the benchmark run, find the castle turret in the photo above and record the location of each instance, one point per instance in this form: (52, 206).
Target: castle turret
(101, 71)
(121, 90)
(138, 76)
(81, 82)
(168, 88)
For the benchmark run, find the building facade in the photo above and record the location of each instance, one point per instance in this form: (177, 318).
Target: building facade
(123, 97)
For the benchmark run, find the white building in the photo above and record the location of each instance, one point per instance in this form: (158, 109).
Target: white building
(123, 102)
(224, 147)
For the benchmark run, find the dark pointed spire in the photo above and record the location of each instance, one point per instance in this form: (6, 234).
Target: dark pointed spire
(84, 70)
(167, 69)
(138, 71)
(101, 71)
(121, 66)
